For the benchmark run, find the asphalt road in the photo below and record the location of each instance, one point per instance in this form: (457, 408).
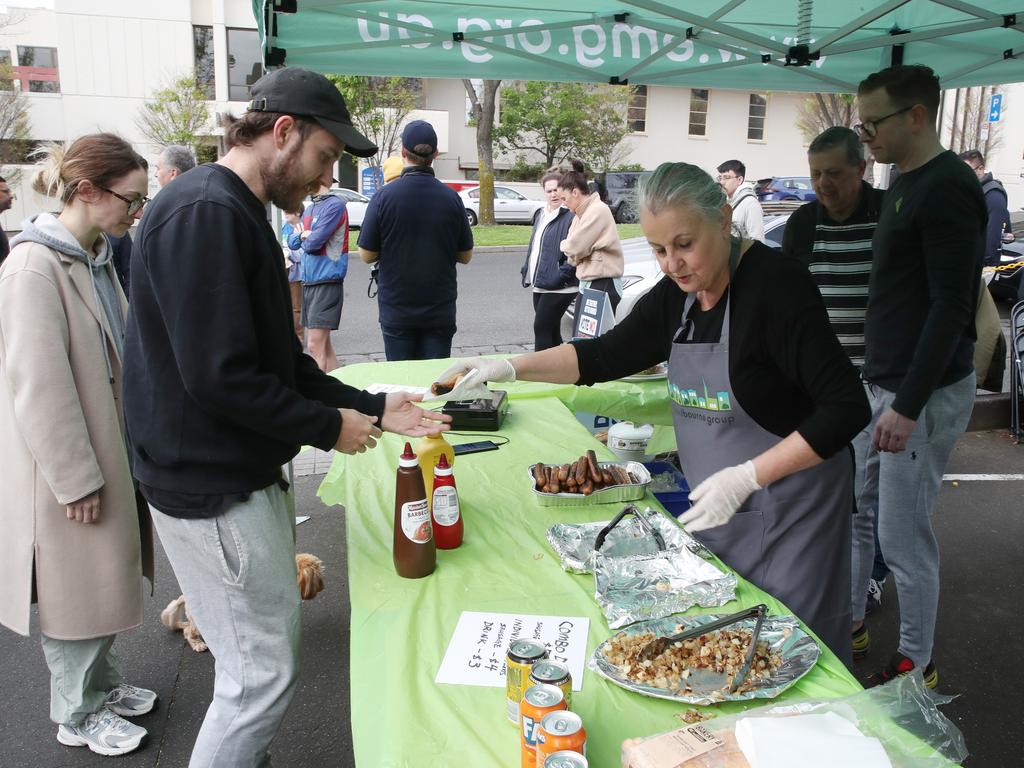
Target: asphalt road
(493, 307)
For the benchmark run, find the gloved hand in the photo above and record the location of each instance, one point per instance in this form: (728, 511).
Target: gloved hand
(475, 384)
(716, 500)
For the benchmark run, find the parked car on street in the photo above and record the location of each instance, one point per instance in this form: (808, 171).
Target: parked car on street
(785, 188)
(355, 203)
(642, 273)
(510, 207)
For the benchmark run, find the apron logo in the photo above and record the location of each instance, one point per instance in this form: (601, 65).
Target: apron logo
(898, 204)
(703, 399)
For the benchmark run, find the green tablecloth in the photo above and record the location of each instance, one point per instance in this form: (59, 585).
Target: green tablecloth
(400, 628)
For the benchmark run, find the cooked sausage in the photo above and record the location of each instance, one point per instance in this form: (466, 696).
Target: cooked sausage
(563, 473)
(581, 471)
(587, 488)
(595, 471)
(607, 478)
(621, 478)
(540, 477)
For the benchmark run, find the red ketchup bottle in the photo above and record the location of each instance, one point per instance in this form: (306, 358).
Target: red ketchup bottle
(445, 506)
(413, 549)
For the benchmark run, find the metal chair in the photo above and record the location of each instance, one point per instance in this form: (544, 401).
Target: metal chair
(1017, 371)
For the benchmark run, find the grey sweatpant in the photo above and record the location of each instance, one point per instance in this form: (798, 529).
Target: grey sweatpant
(901, 489)
(237, 572)
(82, 673)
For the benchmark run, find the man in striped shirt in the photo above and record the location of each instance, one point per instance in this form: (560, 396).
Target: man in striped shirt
(832, 236)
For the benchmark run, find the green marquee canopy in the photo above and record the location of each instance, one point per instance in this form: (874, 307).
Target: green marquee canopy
(784, 45)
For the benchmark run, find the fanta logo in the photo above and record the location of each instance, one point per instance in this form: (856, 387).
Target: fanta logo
(530, 730)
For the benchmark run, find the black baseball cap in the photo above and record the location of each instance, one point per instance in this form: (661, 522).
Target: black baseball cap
(304, 93)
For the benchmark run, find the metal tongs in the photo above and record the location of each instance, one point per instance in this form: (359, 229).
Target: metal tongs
(707, 679)
(644, 523)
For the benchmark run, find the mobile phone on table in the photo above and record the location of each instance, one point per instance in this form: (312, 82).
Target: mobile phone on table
(483, 445)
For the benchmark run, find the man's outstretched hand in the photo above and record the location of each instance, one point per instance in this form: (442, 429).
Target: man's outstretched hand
(403, 417)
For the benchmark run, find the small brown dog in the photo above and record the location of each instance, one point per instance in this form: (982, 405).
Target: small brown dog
(309, 576)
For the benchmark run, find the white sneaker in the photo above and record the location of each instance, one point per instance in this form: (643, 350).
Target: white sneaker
(129, 701)
(103, 732)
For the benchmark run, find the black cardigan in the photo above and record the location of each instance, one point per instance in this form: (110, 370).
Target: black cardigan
(787, 368)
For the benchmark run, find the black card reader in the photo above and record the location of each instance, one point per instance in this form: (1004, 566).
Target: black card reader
(481, 415)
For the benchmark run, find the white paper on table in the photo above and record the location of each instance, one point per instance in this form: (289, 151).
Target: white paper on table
(476, 652)
(808, 741)
(387, 389)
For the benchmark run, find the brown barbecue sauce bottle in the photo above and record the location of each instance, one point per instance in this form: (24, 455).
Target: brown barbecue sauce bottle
(414, 551)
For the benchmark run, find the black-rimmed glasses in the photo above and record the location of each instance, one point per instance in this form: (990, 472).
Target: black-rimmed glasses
(134, 204)
(869, 128)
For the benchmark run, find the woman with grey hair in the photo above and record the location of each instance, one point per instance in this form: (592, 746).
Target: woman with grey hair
(764, 400)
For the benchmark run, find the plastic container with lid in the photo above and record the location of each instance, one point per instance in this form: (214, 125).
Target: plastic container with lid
(413, 549)
(429, 449)
(628, 441)
(444, 506)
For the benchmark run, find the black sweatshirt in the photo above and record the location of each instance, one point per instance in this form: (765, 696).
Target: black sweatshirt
(217, 391)
(919, 329)
(787, 368)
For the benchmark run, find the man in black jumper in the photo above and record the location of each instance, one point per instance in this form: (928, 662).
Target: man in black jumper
(919, 339)
(218, 396)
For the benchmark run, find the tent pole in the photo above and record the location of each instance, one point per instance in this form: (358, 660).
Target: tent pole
(956, 114)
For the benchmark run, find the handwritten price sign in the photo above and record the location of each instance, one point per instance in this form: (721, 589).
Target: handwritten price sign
(476, 652)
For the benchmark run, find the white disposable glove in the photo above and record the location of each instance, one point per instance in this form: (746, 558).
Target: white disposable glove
(477, 372)
(716, 500)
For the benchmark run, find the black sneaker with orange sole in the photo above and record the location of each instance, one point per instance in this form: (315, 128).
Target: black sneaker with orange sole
(901, 665)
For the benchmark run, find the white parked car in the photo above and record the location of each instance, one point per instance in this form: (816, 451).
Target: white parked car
(355, 203)
(642, 272)
(510, 207)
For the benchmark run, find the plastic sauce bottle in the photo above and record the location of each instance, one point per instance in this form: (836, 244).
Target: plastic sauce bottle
(430, 449)
(413, 549)
(444, 506)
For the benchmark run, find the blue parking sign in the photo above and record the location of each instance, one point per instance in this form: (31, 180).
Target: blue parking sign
(995, 108)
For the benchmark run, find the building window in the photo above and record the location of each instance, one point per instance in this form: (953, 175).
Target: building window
(699, 111)
(37, 69)
(202, 48)
(755, 117)
(6, 83)
(245, 62)
(637, 112)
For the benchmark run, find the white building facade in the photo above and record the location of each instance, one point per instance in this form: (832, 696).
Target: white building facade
(90, 65)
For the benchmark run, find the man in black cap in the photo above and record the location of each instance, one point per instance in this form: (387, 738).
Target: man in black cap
(416, 229)
(218, 396)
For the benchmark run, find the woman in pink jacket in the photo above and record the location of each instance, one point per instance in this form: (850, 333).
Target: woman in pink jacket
(592, 244)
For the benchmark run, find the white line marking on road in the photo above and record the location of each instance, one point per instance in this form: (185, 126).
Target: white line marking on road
(983, 477)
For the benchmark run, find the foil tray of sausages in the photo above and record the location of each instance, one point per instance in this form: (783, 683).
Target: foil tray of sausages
(629, 481)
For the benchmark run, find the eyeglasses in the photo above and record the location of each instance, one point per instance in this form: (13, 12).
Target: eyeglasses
(726, 176)
(134, 204)
(869, 128)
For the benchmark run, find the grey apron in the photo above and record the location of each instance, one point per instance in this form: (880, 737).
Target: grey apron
(792, 538)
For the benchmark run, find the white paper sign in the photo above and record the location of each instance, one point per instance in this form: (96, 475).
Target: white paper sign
(476, 652)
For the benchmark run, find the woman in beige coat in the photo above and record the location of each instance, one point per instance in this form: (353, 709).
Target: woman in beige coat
(72, 536)
(592, 244)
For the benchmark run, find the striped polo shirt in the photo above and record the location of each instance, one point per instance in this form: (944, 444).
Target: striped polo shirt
(838, 257)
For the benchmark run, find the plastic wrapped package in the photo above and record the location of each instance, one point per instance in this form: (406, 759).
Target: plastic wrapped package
(902, 715)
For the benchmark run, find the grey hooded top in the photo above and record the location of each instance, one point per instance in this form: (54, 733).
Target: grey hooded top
(46, 229)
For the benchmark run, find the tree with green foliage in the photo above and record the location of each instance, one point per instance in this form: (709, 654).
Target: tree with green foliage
(482, 104)
(827, 110)
(561, 120)
(15, 130)
(379, 107)
(176, 114)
